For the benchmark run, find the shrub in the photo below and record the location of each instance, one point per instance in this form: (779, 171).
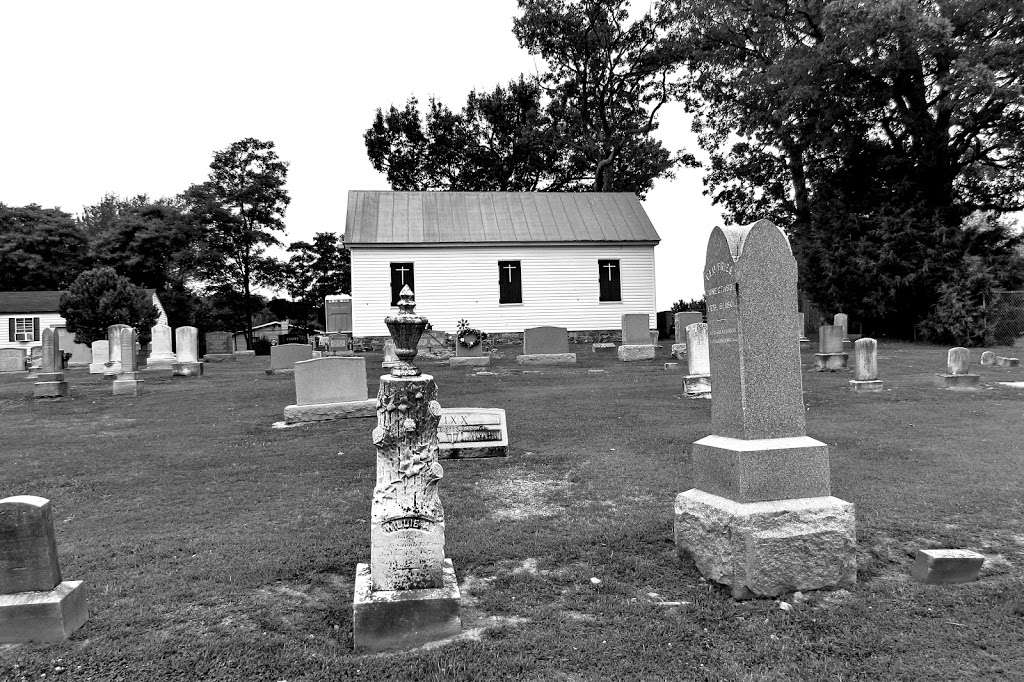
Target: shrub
(99, 298)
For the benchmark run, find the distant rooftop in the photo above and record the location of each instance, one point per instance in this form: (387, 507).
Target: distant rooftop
(418, 218)
(34, 301)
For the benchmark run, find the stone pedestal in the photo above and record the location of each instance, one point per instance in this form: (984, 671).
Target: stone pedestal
(634, 352)
(547, 359)
(764, 549)
(469, 361)
(128, 383)
(48, 387)
(963, 382)
(50, 378)
(761, 469)
(697, 386)
(872, 386)
(187, 369)
(830, 362)
(43, 616)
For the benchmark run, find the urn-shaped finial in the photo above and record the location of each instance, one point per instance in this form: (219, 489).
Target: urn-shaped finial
(406, 329)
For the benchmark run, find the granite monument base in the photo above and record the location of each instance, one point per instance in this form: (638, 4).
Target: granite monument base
(830, 362)
(50, 388)
(403, 619)
(547, 359)
(469, 361)
(678, 350)
(599, 347)
(697, 386)
(764, 549)
(219, 357)
(160, 363)
(763, 469)
(322, 412)
(97, 367)
(188, 369)
(872, 386)
(632, 353)
(958, 382)
(43, 616)
(127, 383)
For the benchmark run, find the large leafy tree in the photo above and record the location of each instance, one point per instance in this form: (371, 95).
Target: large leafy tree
(40, 248)
(871, 129)
(317, 269)
(240, 211)
(99, 298)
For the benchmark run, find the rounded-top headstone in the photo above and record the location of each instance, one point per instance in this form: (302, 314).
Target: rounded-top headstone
(865, 352)
(988, 358)
(28, 547)
(958, 360)
(830, 339)
(698, 361)
(187, 343)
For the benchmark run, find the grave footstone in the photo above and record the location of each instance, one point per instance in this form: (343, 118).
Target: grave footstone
(284, 356)
(129, 381)
(114, 346)
(760, 518)
(472, 432)
(830, 356)
(12, 359)
(161, 354)
(958, 375)
(865, 366)
(36, 605)
(546, 346)
(697, 381)
(50, 378)
(407, 595)
(682, 321)
(636, 338)
(220, 347)
(186, 340)
(330, 387)
(100, 356)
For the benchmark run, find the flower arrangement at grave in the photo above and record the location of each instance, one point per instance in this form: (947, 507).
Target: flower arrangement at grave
(469, 337)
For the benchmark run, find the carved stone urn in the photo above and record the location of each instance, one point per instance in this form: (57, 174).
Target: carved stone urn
(406, 329)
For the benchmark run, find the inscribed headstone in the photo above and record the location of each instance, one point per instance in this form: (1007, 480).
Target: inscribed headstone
(330, 379)
(830, 339)
(698, 360)
(636, 329)
(28, 547)
(546, 340)
(219, 343)
(865, 360)
(187, 342)
(684, 320)
(285, 355)
(958, 360)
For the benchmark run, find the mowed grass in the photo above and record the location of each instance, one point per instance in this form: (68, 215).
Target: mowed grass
(215, 547)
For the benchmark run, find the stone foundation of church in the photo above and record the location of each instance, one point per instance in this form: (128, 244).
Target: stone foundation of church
(499, 339)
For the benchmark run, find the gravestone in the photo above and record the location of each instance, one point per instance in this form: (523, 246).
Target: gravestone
(865, 366)
(35, 362)
(284, 356)
(114, 346)
(988, 358)
(330, 387)
(51, 382)
(471, 432)
(161, 354)
(129, 381)
(636, 338)
(220, 346)
(546, 346)
(389, 355)
(36, 605)
(697, 380)
(100, 356)
(946, 566)
(760, 518)
(12, 359)
(830, 356)
(682, 321)
(408, 594)
(241, 346)
(1007, 362)
(469, 351)
(801, 329)
(842, 320)
(958, 375)
(186, 340)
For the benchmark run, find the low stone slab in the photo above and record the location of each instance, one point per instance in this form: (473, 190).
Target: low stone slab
(697, 386)
(958, 382)
(127, 383)
(865, 386)
(764, 549)
(469, 361)
(988, 358)
(244, 353)
(403, 619)
(43, 616)
(830, 362)
(219, 357)
(600, 347)
(472, 432)
(946, 566)
(633, 352)
(1007, 362)
(187, 369)
(322, 412)
(761, 470)
(547, 359)
(50, 389)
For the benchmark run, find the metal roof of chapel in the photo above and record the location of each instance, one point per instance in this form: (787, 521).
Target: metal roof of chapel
(467, 218)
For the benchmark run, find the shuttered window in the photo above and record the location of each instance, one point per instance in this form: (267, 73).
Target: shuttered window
(401, 276)
(510, 282)
(609, 280)
(23, 329)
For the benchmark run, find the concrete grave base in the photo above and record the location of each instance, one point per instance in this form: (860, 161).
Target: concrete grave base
(866, 386)
(830, 362)
(757, 470)
(598, 347)
(1008, 362)
(946, 566)
(219, 357)
(97, 367)
(547, 359)
(50, 389)
(469, 361)
(43, 616)
(697, 386)
(957, 382)
(764, 549)
(157, 372)
(632, 353)
(323, 412)
(127, 383)
(244, 353)
(678, 350)
(403, 619)
(188, 369)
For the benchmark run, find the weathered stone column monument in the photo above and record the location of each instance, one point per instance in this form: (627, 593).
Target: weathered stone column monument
(50, 379)
(129, 381)
(830, 356)
(408, 594)
(114, 346)
(760, 517)
(865, 366)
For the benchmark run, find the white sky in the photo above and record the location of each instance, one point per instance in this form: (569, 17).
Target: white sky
(134, 97)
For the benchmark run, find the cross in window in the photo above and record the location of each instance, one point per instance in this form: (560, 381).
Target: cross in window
(510, 268)
(401, 272)
(609, 267)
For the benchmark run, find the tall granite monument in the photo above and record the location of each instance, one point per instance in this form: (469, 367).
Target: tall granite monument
(760, 517)
(50, 379)
(129, 381)
(408, 594)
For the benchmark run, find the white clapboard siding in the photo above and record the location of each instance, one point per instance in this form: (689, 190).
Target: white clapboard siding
(560, 286)
(52, 320)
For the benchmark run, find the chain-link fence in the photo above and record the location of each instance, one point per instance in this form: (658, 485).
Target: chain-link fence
(1005, 312)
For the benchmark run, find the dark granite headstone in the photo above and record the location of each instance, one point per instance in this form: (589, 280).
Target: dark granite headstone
(28, 548)
(218, 343)
(684, 320)
(545, 340)
(636, 329)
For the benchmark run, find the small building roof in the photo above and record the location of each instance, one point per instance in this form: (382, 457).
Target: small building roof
(431, 218)
(29, 302)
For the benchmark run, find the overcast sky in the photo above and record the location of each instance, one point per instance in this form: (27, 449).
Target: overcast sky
(134, 97)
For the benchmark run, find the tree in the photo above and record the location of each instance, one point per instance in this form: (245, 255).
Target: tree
(871, 129)
(99, 298)
(40, 248)
(317, 270)
(239, 209)
(696, 304)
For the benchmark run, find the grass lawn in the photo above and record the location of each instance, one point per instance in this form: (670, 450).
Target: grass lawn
(215, 547)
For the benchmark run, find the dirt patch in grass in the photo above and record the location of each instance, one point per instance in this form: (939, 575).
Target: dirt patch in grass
(519, 494)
